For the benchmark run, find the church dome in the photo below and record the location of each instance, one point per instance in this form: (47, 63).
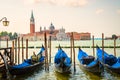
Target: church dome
(51, 27)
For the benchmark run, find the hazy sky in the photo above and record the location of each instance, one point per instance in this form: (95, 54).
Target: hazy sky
(94, 16)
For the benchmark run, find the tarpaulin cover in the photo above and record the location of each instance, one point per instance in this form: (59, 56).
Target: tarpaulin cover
(24, 64)
(41, 53)
(107, 59)
(42, 49)
(61, 54)
(92, 63)
(27, 62)
(85, 59)
(67, 61)
(81, 54)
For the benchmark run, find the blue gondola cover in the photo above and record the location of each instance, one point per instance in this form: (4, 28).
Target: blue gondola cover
(27, 62)
(108, 59)
(61, 54)
(24, 64)
(112, 61)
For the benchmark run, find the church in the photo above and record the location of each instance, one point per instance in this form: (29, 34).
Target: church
(34, 36)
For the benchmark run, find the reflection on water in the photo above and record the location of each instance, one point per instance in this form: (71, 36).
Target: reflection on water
(91, 76)
(28, 75)
(80, 74)
(110, 75)
(60, 76)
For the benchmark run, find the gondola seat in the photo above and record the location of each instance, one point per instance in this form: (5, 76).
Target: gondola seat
(87, 60)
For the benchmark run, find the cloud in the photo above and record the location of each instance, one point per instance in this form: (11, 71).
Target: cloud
(73, 3)
(118, 11)
(99, 11)
(77, 3)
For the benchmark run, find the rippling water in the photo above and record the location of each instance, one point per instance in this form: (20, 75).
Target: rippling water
(41, 74)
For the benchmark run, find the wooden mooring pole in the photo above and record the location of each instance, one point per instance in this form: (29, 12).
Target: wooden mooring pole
(45, 49)
(93, 46)
(18, 50)
(50, 49)
(11, 62)
(15, 50)
(12, 51)
(114, 47)
(103, 47)
(46, 54)
(73, 51)
(26, 48)
(22, 50)
(71, 47)
(7, 43)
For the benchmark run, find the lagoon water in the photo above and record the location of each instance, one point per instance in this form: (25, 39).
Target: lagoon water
(80, 74)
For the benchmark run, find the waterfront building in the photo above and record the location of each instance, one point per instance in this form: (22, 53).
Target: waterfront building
(80, 36)
(4, 37)
(56, 34)
(85, 36)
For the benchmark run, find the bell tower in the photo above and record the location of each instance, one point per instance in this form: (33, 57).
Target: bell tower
(32, 23)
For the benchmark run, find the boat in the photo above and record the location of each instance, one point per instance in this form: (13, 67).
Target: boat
(109, 61)
(89, 63)
(27, 66)
(62, 62)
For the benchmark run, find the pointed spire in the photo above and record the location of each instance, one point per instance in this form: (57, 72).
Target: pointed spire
(32, 14)
(32, 20)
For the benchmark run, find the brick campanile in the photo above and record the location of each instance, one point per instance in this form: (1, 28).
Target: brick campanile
(32, 23)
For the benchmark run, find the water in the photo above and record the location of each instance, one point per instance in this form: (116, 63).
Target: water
(80, 74)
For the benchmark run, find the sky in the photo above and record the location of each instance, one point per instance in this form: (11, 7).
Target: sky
(94, 16)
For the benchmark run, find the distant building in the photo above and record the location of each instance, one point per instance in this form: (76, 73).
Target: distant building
(61, 35)
(85, 36)
(80, 36)
(4, 37)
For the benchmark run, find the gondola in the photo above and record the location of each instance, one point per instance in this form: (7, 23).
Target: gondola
(27, 66)
(109, 61)
(62, 62)
(89, 63)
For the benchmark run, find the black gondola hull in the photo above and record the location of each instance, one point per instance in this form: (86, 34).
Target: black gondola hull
(25, 70)
(89, 63)
(65, 69)
(115, 70)
(109, 61)
(62, 62)
(96, 69)
(112, 70)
